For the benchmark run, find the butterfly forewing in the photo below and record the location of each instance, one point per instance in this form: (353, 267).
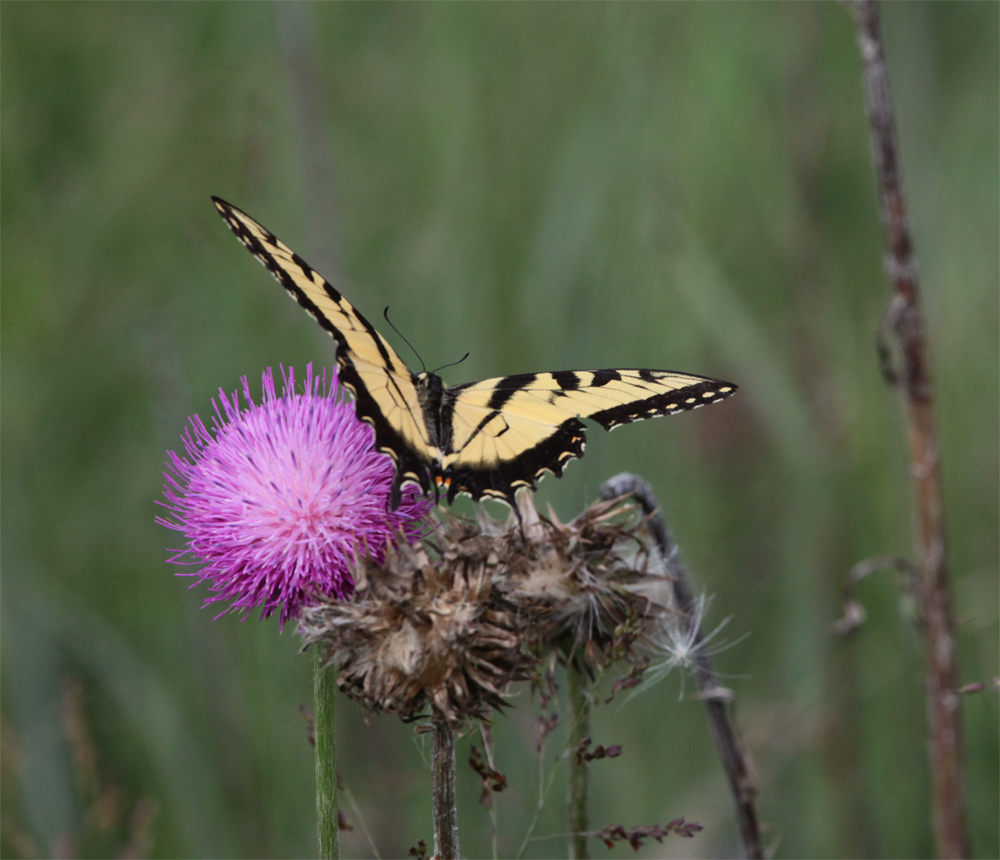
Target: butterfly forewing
(382, 384)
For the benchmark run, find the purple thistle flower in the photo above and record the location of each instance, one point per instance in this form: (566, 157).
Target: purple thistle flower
(277, 500)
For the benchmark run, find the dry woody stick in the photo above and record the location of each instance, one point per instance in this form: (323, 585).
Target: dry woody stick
(905, 320)
(734, 757)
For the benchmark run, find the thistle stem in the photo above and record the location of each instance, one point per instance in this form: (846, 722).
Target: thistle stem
(578, 689)
(324, 687)
(443, 789)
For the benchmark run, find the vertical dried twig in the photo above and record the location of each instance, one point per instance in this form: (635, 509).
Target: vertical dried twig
(443, 789)
(578, 692)
(735, 760)
(905, 319)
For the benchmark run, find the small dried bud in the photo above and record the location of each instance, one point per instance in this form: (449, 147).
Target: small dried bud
(493, 781)
(584, 753)
(635, 836)
(544, 726)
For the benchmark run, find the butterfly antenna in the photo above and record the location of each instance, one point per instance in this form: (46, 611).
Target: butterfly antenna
(453, 363)
(423, 366)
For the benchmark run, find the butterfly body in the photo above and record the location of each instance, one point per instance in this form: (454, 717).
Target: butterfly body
(486, 438)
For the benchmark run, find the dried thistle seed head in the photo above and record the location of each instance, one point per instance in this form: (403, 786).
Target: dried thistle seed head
(581, 582)
(431, 636)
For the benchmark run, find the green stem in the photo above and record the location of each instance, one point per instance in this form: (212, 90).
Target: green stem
(324, 687)
(578, 693)
(443, 791)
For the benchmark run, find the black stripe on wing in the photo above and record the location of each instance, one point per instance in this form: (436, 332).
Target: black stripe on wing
(239, 222)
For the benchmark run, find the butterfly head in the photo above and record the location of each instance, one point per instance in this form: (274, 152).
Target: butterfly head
(430, 387)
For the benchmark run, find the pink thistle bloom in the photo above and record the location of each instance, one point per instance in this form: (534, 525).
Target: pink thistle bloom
(278, 499)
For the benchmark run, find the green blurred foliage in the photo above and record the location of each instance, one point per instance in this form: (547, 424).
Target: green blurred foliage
(549, 186)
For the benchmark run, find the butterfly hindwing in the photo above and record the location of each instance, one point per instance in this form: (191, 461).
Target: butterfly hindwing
(383, 386)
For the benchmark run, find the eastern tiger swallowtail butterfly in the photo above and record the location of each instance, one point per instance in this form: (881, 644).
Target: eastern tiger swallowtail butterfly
(484, 438)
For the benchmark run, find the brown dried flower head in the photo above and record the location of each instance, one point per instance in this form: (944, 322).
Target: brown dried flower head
(440, 630)
(585, 583)
(432, 634)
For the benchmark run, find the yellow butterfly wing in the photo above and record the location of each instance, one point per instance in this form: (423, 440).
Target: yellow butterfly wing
(384, 388)
(506, 433)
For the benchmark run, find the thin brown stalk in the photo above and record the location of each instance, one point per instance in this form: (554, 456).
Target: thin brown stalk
(905, 319)
(578, 693)
(735, 759)
(443, 790)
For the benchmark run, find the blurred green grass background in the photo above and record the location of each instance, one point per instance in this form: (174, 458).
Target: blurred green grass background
(548, 186)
